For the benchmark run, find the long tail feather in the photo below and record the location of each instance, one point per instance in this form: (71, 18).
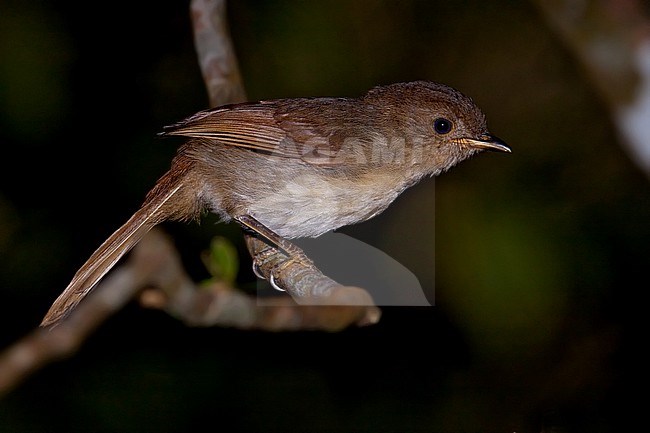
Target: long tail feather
(104, 258)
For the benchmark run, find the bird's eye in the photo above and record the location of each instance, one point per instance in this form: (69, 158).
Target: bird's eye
(442, 126)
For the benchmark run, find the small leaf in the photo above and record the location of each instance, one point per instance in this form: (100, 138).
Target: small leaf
(221, 260)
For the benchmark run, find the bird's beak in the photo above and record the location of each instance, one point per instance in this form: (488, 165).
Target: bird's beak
(487, 142)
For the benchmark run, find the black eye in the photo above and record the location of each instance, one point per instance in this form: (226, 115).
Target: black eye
(442, 126)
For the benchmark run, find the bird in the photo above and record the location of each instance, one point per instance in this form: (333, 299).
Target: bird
(298, 167)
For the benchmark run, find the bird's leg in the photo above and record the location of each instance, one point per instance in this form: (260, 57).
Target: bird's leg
(293, 252)
(269, 236)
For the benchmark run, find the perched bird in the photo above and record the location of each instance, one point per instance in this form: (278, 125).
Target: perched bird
(299, 167)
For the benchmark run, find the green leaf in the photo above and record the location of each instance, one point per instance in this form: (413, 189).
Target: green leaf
(221, 260)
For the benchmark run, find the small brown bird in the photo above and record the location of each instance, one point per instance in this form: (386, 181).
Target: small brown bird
(299, 167)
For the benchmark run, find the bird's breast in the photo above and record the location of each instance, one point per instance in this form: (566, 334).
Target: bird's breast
(311, 204)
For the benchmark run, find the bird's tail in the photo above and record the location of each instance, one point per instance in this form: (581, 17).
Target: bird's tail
(156, 208)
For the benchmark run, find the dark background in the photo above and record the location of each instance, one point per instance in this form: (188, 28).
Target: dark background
(540, 257)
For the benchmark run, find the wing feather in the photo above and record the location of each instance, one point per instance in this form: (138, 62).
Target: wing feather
(306, 129)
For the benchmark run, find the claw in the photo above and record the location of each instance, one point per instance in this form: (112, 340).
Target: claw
(274, 284)
(256, 270)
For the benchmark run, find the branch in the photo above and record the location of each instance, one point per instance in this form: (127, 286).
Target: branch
(151, 257)
(322, 304)
(224, 305)
(215, 52)
(612, 42)
(306, 284)
(155, 263)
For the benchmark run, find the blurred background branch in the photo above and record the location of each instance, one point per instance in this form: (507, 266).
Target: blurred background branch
(611, 39)
(215, 52)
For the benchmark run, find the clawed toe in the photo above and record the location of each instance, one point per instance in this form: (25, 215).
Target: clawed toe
(277, 270)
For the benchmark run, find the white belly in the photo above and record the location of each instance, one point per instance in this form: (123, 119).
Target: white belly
(310, 206)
